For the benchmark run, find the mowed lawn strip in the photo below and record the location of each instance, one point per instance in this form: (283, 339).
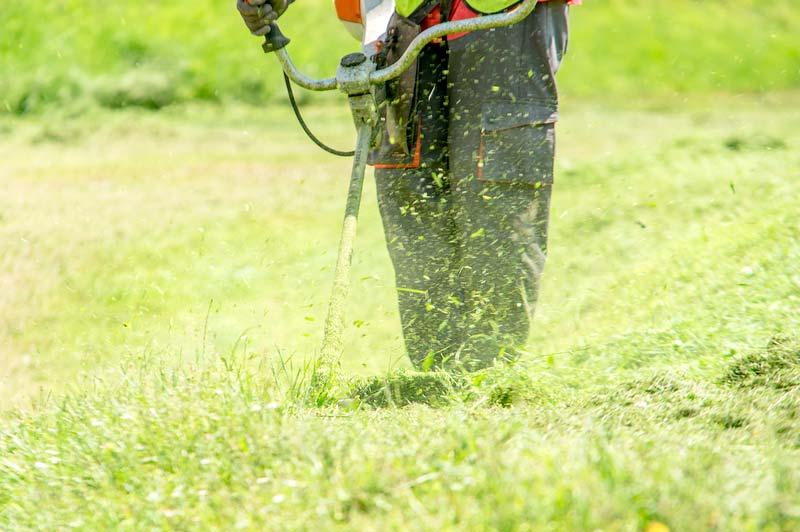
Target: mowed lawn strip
(661, 387)
(190, 233)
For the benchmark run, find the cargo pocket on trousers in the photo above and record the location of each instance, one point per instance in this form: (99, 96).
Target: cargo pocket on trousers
(517, 144)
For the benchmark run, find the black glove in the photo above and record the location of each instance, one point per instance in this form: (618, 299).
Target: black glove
(258, 14)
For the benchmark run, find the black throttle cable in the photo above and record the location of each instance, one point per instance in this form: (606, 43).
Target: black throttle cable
(305, 127)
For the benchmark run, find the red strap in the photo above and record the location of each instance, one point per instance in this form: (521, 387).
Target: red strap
(461, 11)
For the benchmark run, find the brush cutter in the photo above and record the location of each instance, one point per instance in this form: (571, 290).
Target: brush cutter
(358, 77)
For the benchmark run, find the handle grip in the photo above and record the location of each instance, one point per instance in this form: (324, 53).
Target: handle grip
(274, 40)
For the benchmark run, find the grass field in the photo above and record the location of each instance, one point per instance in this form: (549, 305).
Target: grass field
(164, 277)
(158, 267)
(147, 54)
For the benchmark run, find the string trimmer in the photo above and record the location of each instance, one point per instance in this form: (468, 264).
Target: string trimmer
(358, 77)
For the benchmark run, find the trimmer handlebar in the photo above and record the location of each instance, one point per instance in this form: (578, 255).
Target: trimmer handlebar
(355, 76)
(275, 41)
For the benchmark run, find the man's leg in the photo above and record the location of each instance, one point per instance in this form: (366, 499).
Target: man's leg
(504, 231)
(416, 208)
(503, 110)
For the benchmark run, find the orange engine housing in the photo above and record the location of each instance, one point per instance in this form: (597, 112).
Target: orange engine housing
(350, 13)
(348, 10)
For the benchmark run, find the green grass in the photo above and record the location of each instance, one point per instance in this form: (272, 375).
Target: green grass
(163, 287)
(143, 54)
(164, 280)
(218, 446)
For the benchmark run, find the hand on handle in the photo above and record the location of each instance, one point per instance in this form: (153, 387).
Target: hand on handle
(259, 15)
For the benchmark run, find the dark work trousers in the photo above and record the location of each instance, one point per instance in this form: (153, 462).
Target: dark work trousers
(466, 219)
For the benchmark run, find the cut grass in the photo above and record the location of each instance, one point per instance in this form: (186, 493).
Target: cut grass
(185, 208)
(502, 385)
(652, 392)
(213, 445)
(778, 366)
(402, 388)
